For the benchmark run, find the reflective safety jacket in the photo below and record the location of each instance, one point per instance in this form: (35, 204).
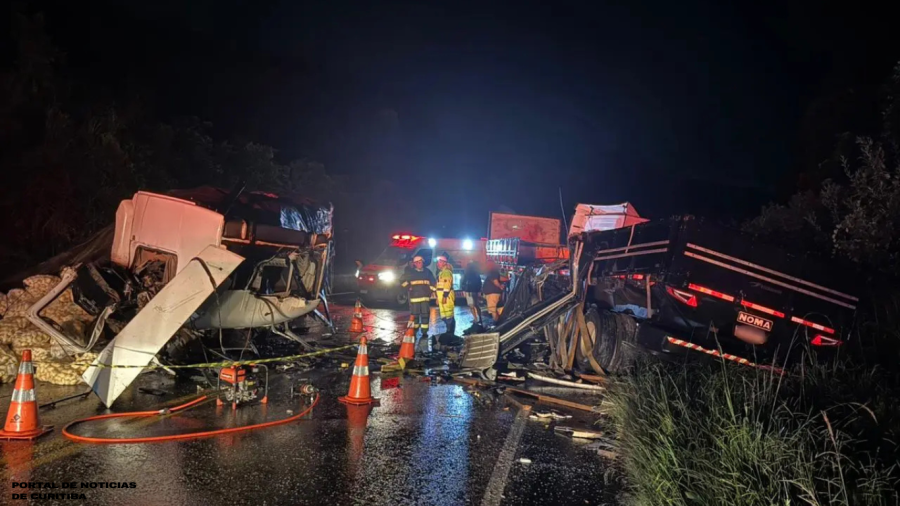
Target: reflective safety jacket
(420, 284)
(445, 282)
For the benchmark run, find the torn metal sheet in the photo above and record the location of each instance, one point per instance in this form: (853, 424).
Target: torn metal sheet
(241, 309)
(148, 332)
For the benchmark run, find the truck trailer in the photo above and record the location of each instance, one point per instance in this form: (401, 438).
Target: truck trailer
(678, 287)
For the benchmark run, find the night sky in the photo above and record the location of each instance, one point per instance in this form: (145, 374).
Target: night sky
(463, 108)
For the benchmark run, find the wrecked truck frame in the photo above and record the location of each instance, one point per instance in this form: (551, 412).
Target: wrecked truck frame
(672, 288)
(190, 263)
(529, 311)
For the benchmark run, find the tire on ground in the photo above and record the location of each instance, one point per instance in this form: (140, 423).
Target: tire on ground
(615, 339)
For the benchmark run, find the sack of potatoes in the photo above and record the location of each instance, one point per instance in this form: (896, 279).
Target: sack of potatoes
(58, 373)
(38, 286)
(11, 327)
(17, 303)
(9, 365)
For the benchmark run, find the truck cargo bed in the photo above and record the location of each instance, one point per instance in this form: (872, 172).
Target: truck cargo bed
(702, 282)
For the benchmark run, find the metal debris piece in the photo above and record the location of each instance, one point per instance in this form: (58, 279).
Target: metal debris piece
(578, 433)
(554, 381)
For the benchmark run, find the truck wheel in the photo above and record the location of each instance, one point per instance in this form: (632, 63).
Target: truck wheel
(614, 338)
(402, 298)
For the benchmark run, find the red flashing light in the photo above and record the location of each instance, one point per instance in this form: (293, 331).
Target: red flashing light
(764, 309)
(708, 291)
(405, 240)
(811, 324)
(683, 297)
(821, 340)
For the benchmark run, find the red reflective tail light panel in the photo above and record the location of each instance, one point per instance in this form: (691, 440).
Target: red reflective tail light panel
(814, 325)
(763, 309)
(709, 291)
(683, 297)
(821, 340)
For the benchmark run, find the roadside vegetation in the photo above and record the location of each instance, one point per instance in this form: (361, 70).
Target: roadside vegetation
(727, 434)
(825, 433)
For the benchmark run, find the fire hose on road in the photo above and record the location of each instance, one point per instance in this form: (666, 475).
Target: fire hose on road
(173, 437)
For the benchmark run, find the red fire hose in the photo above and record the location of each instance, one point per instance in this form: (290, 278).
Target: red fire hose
(173, 437)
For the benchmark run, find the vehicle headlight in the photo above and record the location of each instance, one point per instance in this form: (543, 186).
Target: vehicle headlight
(467, 244)
(387, 276)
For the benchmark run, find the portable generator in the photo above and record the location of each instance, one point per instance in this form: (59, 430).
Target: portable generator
(241, 384)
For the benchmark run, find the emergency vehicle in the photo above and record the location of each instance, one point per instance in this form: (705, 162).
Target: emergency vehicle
(379, 280)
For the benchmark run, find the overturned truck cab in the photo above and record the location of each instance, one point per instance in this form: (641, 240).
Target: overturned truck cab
(194, 261)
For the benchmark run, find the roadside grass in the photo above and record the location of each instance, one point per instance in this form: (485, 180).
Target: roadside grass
(722, 434)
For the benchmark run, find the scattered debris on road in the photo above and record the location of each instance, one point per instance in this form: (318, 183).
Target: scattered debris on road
(577, 433)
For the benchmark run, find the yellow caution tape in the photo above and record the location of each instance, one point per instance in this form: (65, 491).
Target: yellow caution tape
(216, 365)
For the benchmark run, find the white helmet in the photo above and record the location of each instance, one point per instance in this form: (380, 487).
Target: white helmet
(442, 258)
(418, 259)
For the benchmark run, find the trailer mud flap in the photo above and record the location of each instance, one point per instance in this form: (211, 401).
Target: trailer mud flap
(480, 351)
(151, 329)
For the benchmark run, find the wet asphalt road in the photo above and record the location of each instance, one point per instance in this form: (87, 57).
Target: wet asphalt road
(422, 444)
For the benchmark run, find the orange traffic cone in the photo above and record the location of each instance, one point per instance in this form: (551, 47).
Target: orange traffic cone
(410, 329)
(22, 419)
(357, 324)
(360, 393)
(408, 346)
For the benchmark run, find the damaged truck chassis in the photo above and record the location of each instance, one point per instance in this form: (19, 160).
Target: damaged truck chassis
(191, 264)
(670, 288)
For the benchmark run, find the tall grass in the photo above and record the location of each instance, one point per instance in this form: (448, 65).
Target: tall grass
(721, 434)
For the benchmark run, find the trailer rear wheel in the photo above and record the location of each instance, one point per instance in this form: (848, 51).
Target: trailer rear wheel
(613, 336)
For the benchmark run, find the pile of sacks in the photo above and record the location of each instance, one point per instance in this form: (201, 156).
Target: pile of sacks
(52, 363)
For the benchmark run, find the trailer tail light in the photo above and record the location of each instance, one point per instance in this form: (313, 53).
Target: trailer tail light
(764, 309)
(813, 325)
(821, 340)
(707, 291)
(683, 297)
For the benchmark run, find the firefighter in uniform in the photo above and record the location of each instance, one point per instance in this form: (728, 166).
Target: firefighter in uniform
(420, 283)
(446, 297)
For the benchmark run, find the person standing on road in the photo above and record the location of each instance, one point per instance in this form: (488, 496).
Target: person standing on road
(471, 284)
(420, 282)
(446, 298)
(493, 289)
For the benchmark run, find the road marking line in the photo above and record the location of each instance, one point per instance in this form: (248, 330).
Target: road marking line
(494, 493)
